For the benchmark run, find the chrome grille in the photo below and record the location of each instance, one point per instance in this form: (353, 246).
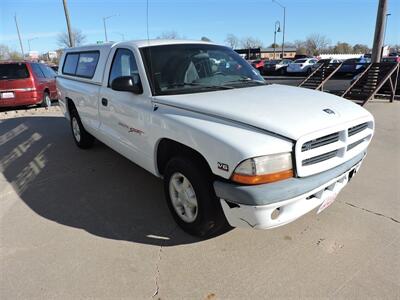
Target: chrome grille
(355, 144)
(356, 129)
(319, 158)
(319, 142)
(320, 151)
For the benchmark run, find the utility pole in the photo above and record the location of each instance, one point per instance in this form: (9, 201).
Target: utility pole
(379, 32)
(19, 36)
(70, 35)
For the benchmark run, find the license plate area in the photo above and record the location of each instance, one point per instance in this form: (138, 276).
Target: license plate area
(328, 201)
(6, 95)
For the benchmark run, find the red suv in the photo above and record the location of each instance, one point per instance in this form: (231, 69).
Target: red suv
(26, 83)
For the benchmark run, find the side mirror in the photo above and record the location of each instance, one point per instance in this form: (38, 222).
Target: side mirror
(127, 84)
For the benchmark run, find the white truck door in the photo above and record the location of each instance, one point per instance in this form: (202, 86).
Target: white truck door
(123, 114)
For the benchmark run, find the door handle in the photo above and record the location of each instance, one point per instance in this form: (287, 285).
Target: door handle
(104, 101)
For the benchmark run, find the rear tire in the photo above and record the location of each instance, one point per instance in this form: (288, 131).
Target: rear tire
(82, 138)
(46, 102)
(190, 196)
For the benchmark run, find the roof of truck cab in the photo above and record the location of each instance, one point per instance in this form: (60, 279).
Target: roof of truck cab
(137, 43)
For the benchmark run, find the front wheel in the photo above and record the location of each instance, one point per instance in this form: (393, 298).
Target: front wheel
(191, 198)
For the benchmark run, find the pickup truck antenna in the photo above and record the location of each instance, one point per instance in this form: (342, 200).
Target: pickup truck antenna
(149, 48)
(147, 20)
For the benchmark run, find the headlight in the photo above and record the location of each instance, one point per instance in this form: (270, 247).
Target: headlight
(264, 169)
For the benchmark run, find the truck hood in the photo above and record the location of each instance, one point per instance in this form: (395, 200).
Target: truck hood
(288, 111)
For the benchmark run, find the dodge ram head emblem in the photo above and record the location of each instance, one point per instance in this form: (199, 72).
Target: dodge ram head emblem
(329, 111)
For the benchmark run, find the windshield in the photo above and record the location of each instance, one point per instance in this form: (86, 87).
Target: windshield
(194, 68)
(299, 61)
(13, 71)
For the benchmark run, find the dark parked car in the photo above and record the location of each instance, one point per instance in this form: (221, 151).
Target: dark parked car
(354, 66)
(54, 67)
(276, 66)
(301, 56)
(26, 83)
(391, 59)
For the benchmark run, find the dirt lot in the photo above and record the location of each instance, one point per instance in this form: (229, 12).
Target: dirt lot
(90, 224)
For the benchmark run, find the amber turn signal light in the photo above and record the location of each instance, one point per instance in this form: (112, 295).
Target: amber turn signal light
(259, 179)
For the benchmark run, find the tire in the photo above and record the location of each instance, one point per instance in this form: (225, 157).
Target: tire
(202, 215)
(82, 138)
(46, 101)
(309, 71)
(282, 71)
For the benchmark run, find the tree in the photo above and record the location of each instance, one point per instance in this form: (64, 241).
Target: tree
(7, 53)
(77, 36)
(274, 45)
(395, 48)
(232, 41)
(342, 48)
(169, 35)
(205, 39)
(299, 44)
(315, 43)
(250, 42)
(361, 48)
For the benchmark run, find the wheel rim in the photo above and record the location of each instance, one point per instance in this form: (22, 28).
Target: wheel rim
(76, 130)
(183, 197)
(47, 100)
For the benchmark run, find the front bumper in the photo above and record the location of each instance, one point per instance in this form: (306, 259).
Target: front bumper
(276, 204)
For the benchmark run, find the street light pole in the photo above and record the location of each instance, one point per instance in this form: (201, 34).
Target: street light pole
(122, 35)
(19, 36)
(384, 32)
(105, 29)
(66, 12)
(284, 26)
(105, 26)
(277, 23)
(29, 43)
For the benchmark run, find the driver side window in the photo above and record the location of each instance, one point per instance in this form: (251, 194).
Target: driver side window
(124, 64)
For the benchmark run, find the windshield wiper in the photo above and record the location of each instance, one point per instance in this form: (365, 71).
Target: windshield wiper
(246, 79)
(219, 87)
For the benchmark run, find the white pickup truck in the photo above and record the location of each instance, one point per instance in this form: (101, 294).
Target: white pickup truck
(229, 147)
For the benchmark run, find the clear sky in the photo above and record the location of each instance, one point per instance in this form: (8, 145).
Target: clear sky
(351, 21)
